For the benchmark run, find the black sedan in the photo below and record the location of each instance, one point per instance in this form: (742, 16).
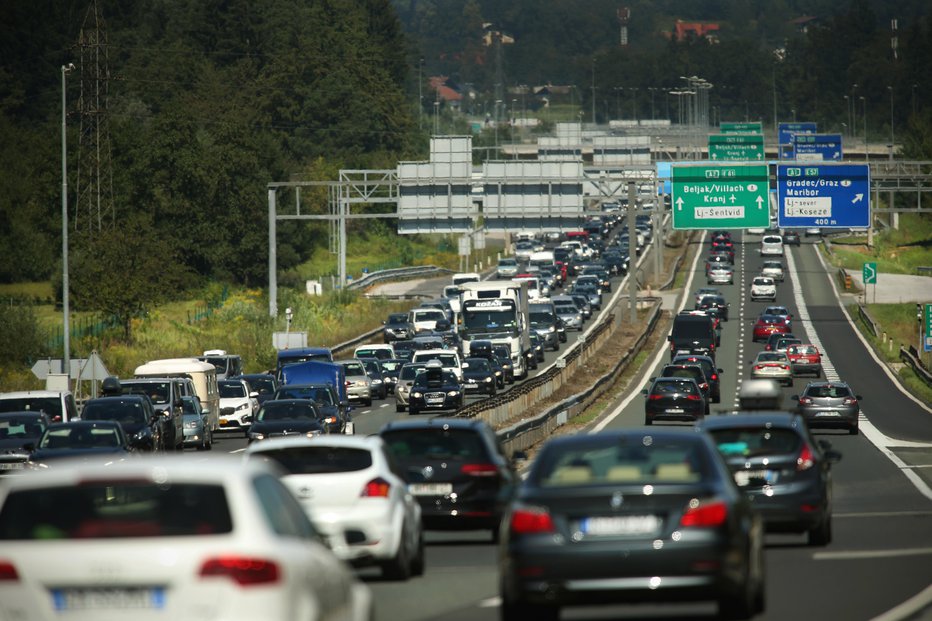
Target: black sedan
(829, 405)
(775, 460)
(134, 413)
(286, 417)
(335, 414)
(17, 430)
(435, 389)
(636, 515)
(93, 441)
(478, 376)
(674, 399)
(791, 238)
(712, 373)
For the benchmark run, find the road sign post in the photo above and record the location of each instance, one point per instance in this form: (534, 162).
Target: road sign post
(736, 147)
(823, 195)
(869, 276)
(720, 196)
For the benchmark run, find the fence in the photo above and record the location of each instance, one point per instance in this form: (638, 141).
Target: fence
(911, 357)
(205, 311)
(81, 327)
(868, 320)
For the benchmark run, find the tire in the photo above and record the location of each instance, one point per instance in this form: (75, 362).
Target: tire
(853, 430)
(516, 610)
(739, 606)
(648, 421)
(821, 535)
(399, 566)
(418, 562)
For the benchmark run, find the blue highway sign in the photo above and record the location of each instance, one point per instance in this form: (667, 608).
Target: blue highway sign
(785, 133)
(823, 195)
(817, 147)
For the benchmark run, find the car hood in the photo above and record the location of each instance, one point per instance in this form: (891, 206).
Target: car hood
(89, 454)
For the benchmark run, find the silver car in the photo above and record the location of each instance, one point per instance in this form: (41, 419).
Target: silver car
(721, 274)
(772, 365)
(403, 387)
(772, 269)
(830, 404)
(358, 384)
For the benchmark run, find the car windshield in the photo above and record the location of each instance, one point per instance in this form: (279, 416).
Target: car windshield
(320, 394)
(123, 411)
(318, 459)
(435, 380)
(233, 390)
(273, 411)
(754, 441)
(832, 391)
(158, 391)
(390, 366)
(479, 365)
(410, 371)
(115, 509)
(50, 405)
(507, 263)
(79, 437)
(262, 385)
(394, 320)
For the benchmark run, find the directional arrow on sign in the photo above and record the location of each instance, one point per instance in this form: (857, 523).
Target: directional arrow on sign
(857, 198)
(759, 202)
(679, 203)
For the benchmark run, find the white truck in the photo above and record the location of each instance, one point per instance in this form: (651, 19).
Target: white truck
(497, 310)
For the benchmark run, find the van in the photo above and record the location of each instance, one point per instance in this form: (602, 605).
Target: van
(425, 319)
(203, 374)
(165, 394)
(381, 352)
(58, 405)
(228, 365)
(692, 334)
(301, 354)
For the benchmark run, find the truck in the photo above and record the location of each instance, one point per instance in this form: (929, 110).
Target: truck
(316, 372)
(497, 310)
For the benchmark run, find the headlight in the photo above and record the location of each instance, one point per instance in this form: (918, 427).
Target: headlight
(376, 381)
(498, 373)
(453, 393)
(488, 379)
(416, 395)
(330, 420)
(314, 433)
(551, 329)
(243, 406)
(256, 436)
(578, 318)
(190, 424)
(141, 434)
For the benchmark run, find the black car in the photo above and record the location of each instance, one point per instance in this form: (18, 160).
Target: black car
(435, 389)
(376, 379)
(335, 414)
(390, 370)
(263, 384)
(673, 398)
(775, 460)
(630, 516)
(712, 373)
(479, 376)
(134, 413)
(456, 470)
(17, 430)
(287, 417)
(791, 238)
(404, 350)
(714, 304)
(503, 357)
(771, 343)
(101, 441)
(397, 328)
(537, 348)
(583, 303)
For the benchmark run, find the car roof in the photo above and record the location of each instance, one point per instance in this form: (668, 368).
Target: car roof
(369, 442)
(437, 422)
(33, 393)
(762, 418)
(23, 414)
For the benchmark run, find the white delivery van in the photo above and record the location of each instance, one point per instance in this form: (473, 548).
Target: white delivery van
(203, 374)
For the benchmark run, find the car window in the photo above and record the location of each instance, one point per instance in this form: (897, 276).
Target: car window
(282, 512)
(318, 459)
(50, 405)
(124, 411)
(286, 410)
(669, 388)
(828, 391)
(771, 357)
(232, 390)
(115, 509)
(354, 368)
(453, 444)
(751, 441)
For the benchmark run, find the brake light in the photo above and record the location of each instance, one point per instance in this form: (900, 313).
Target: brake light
(805, 400)
(693, 398)
(8, 572)
(850, 401)
(654, 397)
(715, 377)
(479, 470)
(243, 571)
(759, 367)
(704, 514)
(704, 386)
(784, 367)
(531, 521)
(805, 459)
(376, 488)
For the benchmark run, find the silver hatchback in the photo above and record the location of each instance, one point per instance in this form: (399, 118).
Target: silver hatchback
(773, 269)
(830, 404)
(721, 274)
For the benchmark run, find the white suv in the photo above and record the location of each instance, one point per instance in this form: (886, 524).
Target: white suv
(771, 245)
(763, 288)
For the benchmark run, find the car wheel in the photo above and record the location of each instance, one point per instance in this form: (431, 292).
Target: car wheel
(210, 440)
(417, 563)
(399, 407)
(821, 535)
(740, 605)
(853, 430)
(399, 566)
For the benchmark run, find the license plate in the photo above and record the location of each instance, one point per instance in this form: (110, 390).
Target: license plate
(142, 598)
(828, 413)
(744, 477)
(13, 466)
(620, 525)
(430, 489)
(223, 421)
(435, 401)
(675, 410)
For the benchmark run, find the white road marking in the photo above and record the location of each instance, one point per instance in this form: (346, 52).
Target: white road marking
(863, 554)
(239, 450)
(908, 608)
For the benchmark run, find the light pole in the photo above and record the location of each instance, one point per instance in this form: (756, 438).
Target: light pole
(420, 95)
(848, 112)
(634, 103)
(867, 154)
(890, 88)
(289, 315)
(66, 330)
(436, 117)
(914, 99)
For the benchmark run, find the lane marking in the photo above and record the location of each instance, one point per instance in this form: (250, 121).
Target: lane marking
(908, 608)
(239, 450)
(863, 554)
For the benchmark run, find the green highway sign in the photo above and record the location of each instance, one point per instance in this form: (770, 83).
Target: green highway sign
(869, 273)
(927, 327)
(741, 147)
(720, 196)
(741, 128)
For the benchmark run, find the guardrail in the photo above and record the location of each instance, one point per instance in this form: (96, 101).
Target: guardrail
(924, 270)
(911, 357)
(394, 274)
(356, 340)
(868, 320)
(676, 268)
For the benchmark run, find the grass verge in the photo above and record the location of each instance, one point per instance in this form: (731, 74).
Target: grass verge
(896, 251)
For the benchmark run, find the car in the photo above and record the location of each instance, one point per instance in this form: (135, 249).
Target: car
(771, 343)
(507, 267)
(97, 441)
(767, 325)
(783, 344)
(720, 274)
(355, 496)
(726, 249)
(263, 385)
(693, 332)
(455, 469)
(718, 259)
(692, 371)
(238, 404)
(714, 304)
(134, 413)
(165, 537)
(704, 291)
(780, 311)
(772, 269)
(197, 431)
(712, 373)
(537, 348)
(377, 383)
(813, 232)
(503, 354)
(333, 413)
(568, 312)
(18, 430)
(396, 327)
(771, 245)
(426, 319)
(776, 461)
(673, 399)
(720, 235)
(164, 394)
(663, 501)
(227, 365)
(435, 389)
(583, 303)
(405, 349)
(805, 358)
(829, 405)
(58, 405)
(358, 383)
(479, 376)
(763, 288)
(791, 238)
(379, 351)
(772, 365)
(390, 370)
(283, 417)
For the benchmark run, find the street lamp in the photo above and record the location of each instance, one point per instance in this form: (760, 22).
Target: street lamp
(420, 96)
(914, 99)
(652, 90)
(890, 88)
(634, 103)
(66, 334)
(289, 315)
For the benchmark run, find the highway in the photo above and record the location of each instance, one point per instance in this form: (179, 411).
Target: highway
(881, 554)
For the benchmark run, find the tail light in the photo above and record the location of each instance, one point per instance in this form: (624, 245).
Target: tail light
(243, 571)
(758, 367)
(654, 397)
(704, 386)
(805, 401)
(704, 514)
(480, 470)
(531, 521)
(376, 488)
(784, 367)
(8, 572)
(805, 459)
(850, 401)
(715, 377)
(693, 398)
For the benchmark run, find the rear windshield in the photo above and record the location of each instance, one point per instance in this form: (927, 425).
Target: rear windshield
(753, 441)
(124, 411)
(320, 394)
(286, 410)
(115, 509)
(79, 437)
(454, 444)
(20, 428)
(828, 391)
(692, 328)
(158, 391)
(50, 405)
(689, 372)
(318, 459)
(669, 388)
(409, 371)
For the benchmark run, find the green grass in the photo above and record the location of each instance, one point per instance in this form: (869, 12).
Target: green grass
(896, 251)
(915, 384)
(27, 290)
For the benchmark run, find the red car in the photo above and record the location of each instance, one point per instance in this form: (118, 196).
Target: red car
(767, 325)
(805, 359)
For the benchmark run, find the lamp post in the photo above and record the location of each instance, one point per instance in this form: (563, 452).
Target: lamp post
(436, 117)
(914, 99)
(867, 153)
(289, 315)
(652, 91)
(848, 112)
(890, 88)
(66, 330)
(420, 95)
(634, 103)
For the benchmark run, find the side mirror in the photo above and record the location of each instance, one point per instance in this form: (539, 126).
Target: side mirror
(645, 392)
(254, 394)
(720, 372)
(670, 337)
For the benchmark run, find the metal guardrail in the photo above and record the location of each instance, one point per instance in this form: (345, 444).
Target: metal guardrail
(397, 273)
(911, 357)
(868, 320)
(676, 269)
(924, 270)
(356, 340)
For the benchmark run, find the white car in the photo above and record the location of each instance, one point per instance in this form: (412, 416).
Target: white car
(449, 359)
(773, 269)
(167, 537)
(763, 288)
(771, 245)
(354, 498)
(238, 406)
